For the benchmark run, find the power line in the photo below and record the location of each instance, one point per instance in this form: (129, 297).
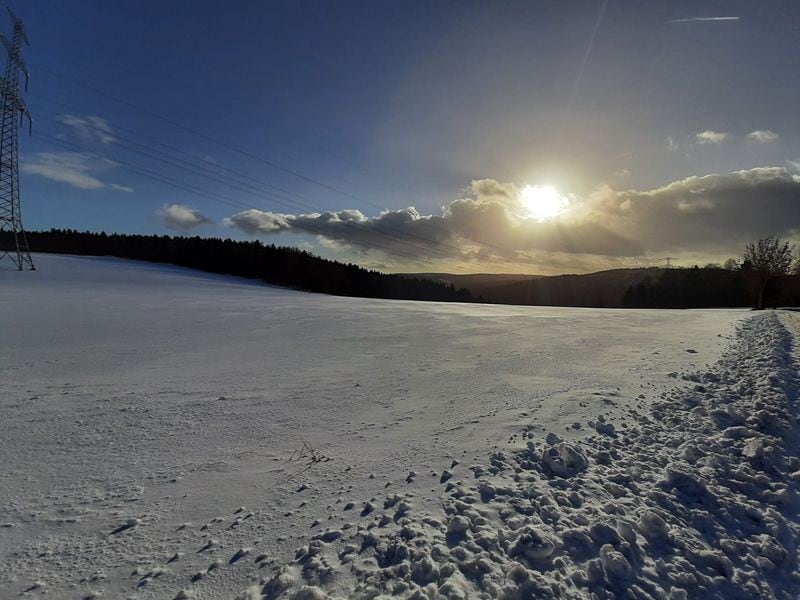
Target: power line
(206, 164)
(204, 171)
(202, 135)
(282, 190)
(216, 197)
(243, 152)
(251, 190)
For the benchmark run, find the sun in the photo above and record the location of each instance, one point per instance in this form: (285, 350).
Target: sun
(542, 202)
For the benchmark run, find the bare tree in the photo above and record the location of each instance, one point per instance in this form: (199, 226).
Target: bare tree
(769, 258)
(731, 264)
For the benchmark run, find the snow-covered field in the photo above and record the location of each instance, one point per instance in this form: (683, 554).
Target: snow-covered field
(172, 434)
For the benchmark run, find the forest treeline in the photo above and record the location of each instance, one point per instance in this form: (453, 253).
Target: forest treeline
(745, 283)
(277, 265)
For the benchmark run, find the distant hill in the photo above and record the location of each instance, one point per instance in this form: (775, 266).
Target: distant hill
(601, 289)
(477, 283)
(652, 287)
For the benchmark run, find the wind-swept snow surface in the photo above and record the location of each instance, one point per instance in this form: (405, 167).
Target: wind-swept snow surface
(171, 434)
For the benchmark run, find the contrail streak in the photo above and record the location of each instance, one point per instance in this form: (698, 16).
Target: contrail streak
(586, 56)
(699, 19)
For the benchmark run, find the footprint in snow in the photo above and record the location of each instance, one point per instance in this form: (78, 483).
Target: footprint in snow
(126, 525)
(197, 576)
(239, 555)
(210, 544)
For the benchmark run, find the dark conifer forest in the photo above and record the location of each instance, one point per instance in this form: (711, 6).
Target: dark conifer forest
(277, 265)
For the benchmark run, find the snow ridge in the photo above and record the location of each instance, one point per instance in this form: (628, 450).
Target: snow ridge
(698, 499)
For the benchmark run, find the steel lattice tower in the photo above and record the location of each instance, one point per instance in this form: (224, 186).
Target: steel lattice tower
(13, 242)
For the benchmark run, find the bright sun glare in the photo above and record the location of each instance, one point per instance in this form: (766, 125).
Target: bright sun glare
(543, 202)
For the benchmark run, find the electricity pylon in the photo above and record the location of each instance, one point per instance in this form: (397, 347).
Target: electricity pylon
(15, 245)
(668, 260)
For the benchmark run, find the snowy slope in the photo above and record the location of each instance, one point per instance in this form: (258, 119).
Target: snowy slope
(166, 431)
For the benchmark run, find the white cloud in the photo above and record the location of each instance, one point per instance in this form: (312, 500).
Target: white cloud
(67, 167)
(255, 221)
(89, 127)
(182, 217)
(711, 137)
(670, 143)
(763, 136)
(78, 169)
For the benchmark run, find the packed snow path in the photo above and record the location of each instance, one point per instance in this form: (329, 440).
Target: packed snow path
(167, 432)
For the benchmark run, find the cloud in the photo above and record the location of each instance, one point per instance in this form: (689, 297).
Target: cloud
(89, 127)
(67, 167)
(670, 143)
(254, 221)
(763, 136)
(711, 137)
(78, 169)
(703, 19)
(621, 175)
(181, 217)
(712, 215)
(703, 214)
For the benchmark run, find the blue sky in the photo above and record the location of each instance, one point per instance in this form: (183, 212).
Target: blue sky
(352, 108)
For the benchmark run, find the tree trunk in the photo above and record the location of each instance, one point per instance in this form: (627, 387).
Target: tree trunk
(760, 305)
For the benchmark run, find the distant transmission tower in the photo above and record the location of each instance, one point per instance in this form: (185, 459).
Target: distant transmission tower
(10, 220)
(667, 259)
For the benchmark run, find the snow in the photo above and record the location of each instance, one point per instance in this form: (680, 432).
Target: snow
(173, 434)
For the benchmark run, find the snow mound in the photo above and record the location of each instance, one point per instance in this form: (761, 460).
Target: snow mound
(697, 499)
